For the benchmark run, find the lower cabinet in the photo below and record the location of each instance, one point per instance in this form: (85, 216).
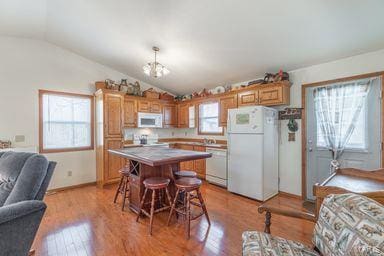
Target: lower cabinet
(196, 165)
(112, 163)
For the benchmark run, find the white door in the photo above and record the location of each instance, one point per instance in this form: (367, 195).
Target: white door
(362, 152)
(245, 120)
(245, 165)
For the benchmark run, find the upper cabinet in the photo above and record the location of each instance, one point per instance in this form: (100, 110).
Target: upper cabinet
(226, 102)
(183, 115)
(113, 119)
(149, 106)
(169, 115)
(274, 95)
(130, 112)
(248, 98)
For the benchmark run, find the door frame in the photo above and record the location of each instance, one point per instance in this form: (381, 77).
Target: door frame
(304, 120)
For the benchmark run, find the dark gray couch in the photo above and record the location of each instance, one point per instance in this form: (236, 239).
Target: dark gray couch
(24, 179)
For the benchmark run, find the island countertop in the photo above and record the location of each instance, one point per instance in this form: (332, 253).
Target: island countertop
(157, 156)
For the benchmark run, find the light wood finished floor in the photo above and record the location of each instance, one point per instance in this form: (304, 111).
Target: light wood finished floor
(84, 221)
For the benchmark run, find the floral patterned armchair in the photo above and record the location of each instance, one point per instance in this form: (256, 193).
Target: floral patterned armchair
(348, 224)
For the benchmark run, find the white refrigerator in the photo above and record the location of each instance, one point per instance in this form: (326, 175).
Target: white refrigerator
(253, 152)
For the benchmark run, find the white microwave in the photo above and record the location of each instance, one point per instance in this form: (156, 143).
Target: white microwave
(149, 120)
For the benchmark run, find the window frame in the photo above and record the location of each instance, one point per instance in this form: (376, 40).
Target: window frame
(41, 125)
(199, 132)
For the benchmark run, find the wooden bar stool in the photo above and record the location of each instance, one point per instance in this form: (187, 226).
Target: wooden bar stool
(183, 174)
(155, 184)
(123, 187)
(188, 186)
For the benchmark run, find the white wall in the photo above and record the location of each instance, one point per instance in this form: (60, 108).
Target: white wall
(290, 152)
(29, 65)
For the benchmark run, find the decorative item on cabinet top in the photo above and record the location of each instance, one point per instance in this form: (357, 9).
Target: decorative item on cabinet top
(123, 86)
(151, 94)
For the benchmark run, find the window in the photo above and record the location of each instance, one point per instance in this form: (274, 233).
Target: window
(358, 137)
(66, 122)
(337, 105)
(209, 119)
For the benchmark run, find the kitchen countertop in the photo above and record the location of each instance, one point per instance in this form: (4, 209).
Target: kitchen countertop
(202, 144)
(192, 143)
(157, 156)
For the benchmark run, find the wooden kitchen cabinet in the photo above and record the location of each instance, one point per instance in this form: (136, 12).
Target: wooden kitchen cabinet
(274, 95)
(200, 165)
(130, 112)
(113, 115)
(109, 122)
(248, 98)
(112, 163)
(183, 115)
(227, 102)
(149, 106)
(188, 165)
(169, 115)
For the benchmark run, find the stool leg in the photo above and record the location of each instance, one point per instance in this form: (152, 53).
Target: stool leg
(188, 220)
(173, 206)
(203, 205)
(141, 205)
(168, 197)
(152, 211)
(118, 189)
(126, 184)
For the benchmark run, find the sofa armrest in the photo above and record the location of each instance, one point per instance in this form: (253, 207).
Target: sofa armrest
(19, 223)
(285, 212)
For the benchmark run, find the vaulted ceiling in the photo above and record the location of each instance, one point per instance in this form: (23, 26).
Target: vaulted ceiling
(203, 43)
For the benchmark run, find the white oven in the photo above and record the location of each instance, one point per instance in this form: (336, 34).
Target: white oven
(150, 120)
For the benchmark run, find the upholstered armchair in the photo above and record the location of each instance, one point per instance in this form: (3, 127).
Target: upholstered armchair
(24, 179)
(348, 224)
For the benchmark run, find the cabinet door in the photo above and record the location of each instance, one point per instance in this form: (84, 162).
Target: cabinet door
(188, 165)
(143, 106)
(226, 103)
(170, 115)
(248, 98)
(113, 115)
(113, 163)
(271, 95)
(183, 117)
(155, 107)
(200, 164)
(130, 113)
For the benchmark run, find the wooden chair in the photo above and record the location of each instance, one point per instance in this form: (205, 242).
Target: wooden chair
(191, 189)
(154, 184)
(123, 188)
(348, 224)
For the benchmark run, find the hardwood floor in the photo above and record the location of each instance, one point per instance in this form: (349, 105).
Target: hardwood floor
(85, 221)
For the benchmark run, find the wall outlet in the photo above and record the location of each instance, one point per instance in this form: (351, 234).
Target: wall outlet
(185, 133)
(69, 173)
(173, 134)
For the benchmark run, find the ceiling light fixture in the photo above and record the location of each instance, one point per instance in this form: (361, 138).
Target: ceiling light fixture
(155, 69)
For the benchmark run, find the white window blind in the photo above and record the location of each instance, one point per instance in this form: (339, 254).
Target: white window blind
(209, 118)
(66, 121)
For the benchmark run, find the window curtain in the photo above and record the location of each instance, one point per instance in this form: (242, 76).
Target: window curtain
(337, 108)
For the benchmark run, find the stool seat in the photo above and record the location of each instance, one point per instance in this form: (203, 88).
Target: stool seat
(190, 174)
(124, 171)
(156, 182)
(188, 183)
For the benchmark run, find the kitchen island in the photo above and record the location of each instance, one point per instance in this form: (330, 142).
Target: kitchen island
(146, 162)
